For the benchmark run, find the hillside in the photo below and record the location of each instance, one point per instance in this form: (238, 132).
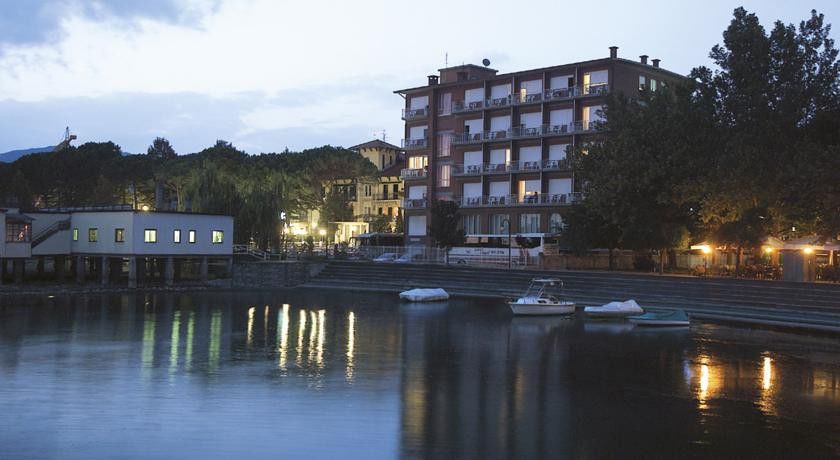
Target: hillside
(13, 155)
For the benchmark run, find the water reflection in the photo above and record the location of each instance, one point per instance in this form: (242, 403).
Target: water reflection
(465, 380)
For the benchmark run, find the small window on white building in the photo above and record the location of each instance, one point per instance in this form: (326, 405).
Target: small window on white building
(191, 237)
(150, 235)
(119, 235)
(176, 236)
(93, 235)
(218, 237)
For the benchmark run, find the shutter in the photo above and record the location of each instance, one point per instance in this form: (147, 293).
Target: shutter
(529, 157)
(473, 158)
(417, 225)
(472, 190)
(499, 188)
(561, 117)
(557, 151)
(531, 120)
(416, 192)
(419, 102)
(560, 82)
(559, 186)
(500, 123)
(500, 91)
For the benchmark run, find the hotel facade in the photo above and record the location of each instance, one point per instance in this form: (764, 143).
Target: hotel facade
(501, 145)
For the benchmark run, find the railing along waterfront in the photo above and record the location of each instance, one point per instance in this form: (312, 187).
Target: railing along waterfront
(414, 144)
(409, 173)
(504, 168)
(538, 199)
(415, 114)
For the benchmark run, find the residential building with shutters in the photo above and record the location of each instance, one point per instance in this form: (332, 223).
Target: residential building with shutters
(501, 145)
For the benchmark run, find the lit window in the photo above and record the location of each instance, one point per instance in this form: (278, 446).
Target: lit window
(218, 237)
(119, 235)
(17, 233)
(75, 234)
(93, 235)
(150, 235)
(642, 83)
(191, 237)
(653, 85)
(444, 175)
(176, 236)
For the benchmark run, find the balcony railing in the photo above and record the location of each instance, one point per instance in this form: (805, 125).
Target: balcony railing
(538, 199)
(415, 114)
(524, 132)
(554, 94)
(415, 144)
(505, 168)
(382, 196)
(414, 203)
(408, 173)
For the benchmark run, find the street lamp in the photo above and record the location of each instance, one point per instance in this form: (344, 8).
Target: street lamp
(323, 233)
(706, 251)
(506, 222)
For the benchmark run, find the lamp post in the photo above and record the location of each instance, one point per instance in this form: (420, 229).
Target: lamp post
(323, 233)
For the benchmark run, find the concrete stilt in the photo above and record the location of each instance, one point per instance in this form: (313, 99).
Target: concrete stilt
(204, 269)
(169, 271)
(58, 268)
(132, 272)
(40, 267)
(229, 271)
(18, 266)
(178, 264)
(106, 270)
(80, 269)
(2, 269)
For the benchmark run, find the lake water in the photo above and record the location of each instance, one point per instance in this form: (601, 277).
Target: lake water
(341, 375)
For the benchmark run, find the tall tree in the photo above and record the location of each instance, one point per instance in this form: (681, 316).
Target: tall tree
(445, 229)
(161, 149)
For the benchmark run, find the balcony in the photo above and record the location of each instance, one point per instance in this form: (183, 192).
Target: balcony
(415, 203)
(466, 107)
(415, 144)
(596, 89)
(537, 199)
(382, 197)
(415, 114)
(412, 174)
(507, 168)
(523, 132)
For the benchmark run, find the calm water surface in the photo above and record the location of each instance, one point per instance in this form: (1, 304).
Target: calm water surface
(337, 375)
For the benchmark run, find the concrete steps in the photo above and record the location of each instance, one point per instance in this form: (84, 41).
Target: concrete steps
(754, 300)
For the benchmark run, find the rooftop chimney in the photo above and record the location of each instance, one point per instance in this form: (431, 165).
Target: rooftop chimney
(613, 52)
(643, 59)
(656, 62)
(433, 80)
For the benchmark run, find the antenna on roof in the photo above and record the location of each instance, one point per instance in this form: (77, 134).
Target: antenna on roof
(384, 136)
(486, 62)
(446, 59)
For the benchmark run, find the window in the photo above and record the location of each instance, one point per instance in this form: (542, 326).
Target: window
(499, 224)
(396, 189)
(119, 235)
(529, 223)
(652, 84)
(384, 191)
(176, 236)
(642, 83)
(380, 211)
(444, 141)
(417, 225)
(93, 235)
(75, 234)
(218, 237)
(555, 223)
(418, 162)
(150, 235)
(17, 232)
(191, 237)
(445, 104)
(472, 224)
(390, 211)
(444, 173)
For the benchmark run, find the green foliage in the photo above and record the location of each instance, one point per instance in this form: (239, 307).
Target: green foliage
(380, 223)
(161, 149)
(445, 230)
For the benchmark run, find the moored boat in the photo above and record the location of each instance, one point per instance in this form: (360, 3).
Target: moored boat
(615, 310)
(661, 318)
(539, 300)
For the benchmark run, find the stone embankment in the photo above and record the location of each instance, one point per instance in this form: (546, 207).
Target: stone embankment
(772, 303)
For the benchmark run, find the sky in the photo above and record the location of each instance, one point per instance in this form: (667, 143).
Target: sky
(273, 74)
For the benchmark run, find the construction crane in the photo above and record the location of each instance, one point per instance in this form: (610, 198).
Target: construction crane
(66, 141)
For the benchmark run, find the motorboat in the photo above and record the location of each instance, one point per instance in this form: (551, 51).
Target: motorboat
(661, 318)
(540, 299)
(615, 310)
(424, 295)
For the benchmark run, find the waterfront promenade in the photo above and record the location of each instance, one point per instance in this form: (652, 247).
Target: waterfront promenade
(806, 306)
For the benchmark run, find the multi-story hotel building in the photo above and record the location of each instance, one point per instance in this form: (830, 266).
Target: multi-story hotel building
(500, 144)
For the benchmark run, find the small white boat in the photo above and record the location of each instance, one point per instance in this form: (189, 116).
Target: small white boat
(537, 300)
(661, 318)
(424, 295)
(615, 310)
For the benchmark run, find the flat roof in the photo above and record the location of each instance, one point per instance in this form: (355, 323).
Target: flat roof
(647, 67)
(134, 211)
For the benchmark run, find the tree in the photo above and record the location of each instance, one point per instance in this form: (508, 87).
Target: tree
(446, 230)
(380, 223)
(585, 230)
(161, 149)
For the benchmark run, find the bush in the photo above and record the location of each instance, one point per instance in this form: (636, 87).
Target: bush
(644, 262)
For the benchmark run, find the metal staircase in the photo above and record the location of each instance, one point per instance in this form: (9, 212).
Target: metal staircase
(44, 234)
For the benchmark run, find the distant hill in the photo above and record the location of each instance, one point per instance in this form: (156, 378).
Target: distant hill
(13, 155)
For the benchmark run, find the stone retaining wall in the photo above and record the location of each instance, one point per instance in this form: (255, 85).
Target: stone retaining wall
(274, 274)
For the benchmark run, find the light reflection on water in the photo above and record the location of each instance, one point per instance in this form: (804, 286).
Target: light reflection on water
(361, 376)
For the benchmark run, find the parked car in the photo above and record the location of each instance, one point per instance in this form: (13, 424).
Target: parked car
(409, 258)
(387, 257)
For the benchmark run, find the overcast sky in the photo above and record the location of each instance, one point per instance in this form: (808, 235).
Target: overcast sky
(271, 74)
